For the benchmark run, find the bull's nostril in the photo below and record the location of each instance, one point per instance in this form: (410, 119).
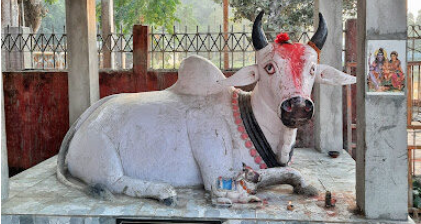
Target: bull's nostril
(309, 106)
(286, 106)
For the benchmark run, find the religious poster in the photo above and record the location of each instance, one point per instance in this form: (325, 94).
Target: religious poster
(386, 66)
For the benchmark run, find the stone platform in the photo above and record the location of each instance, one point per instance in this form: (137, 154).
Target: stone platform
(37, 197)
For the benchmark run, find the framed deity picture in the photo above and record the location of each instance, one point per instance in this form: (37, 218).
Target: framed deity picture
(386, 67)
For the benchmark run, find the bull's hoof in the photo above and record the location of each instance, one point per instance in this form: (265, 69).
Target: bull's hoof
(307, 191)
(171, 201)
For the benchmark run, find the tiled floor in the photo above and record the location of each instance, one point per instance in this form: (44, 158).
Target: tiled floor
(37, 197)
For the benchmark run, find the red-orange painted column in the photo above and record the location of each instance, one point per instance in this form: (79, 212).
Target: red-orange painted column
(144, 81)
(351, 40)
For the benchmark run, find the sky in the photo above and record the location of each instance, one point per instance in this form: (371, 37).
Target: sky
(414, 6)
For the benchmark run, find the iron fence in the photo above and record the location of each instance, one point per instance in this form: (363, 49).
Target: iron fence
(117, 45)
(24, 50)
(228, 51)
(414, 100)
(414, 43)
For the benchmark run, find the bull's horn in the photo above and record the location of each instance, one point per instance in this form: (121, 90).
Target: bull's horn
(258, 36)
(320, 36)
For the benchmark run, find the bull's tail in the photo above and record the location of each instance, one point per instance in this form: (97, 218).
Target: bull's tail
(97, 191)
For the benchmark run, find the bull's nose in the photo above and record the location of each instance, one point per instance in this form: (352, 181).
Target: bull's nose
(296, 111)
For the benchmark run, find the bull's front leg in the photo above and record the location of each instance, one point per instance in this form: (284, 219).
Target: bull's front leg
(286, 144)
(211, 146)
(286, 175)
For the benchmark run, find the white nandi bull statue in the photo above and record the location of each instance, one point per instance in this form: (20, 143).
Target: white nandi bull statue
(146, 144)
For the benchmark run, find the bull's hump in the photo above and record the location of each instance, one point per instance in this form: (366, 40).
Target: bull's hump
(198, 76)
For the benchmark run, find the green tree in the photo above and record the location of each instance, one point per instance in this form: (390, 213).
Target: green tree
(186, 18)
(411, 19)
(157, 13)
(55, 18)
(291, 15)
(34, 11)
(418, 20)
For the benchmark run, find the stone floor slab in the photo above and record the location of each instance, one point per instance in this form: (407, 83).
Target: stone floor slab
(37, 197)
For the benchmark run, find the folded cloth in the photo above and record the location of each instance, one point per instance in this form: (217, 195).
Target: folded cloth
(225, 184)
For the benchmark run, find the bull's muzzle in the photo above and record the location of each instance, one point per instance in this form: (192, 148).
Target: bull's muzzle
(296, 111)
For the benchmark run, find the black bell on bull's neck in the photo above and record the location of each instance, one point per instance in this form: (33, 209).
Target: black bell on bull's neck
(319, 38)
(258, 36)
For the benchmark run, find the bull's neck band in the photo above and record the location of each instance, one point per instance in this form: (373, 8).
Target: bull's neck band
(251, 132)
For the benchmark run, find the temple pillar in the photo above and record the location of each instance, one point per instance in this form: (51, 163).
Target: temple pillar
(82, 56)
(4, 164)
(328, 99)
(382, 157)
(107, 26)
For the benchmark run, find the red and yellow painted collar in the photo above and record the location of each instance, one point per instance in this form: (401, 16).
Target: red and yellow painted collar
(243, 184)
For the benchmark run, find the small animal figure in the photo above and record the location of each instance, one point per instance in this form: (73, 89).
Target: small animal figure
(241, 189)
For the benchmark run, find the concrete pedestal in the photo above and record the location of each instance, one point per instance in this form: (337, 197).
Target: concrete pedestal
(382, 163)
(328, 106)
(37, 197)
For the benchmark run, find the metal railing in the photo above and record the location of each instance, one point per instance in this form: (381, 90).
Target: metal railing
(48, 51)
(120, 45)
(228, 51)
(414, 121)
(22, 49)
(414, 104)
(414, 43)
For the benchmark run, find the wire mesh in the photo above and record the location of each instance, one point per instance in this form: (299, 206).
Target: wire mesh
(229, 51)
(48, 51)
(167, 50)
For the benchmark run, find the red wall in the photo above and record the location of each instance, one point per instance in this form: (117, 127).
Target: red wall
(37, 116)
(37, 109)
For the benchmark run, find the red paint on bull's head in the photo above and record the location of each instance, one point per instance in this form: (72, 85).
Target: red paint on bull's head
(293, 53)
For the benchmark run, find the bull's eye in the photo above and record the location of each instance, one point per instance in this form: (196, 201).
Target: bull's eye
(270, 69)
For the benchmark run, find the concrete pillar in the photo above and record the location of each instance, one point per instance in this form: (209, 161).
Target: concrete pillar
(4, 166)
(225, 6)
(15, 58)
(107, 23)
(82, 56)
(328, 99)
(9, 13)
(119, 55)
(5, 13)
(382, 163)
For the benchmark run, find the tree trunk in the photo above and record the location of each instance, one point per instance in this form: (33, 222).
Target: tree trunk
(34, 11)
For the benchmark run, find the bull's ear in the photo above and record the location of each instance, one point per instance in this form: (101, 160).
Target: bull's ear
(328, 75)
(243, 77)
